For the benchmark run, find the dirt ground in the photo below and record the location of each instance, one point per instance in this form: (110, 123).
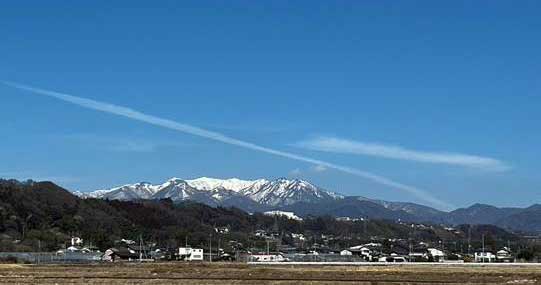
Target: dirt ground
(227, 273)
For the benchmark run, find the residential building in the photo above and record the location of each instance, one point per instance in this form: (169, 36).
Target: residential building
(190, 254)
(485, 257)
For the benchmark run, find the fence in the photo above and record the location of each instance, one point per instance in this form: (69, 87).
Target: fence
(323, 258)
(49, 257)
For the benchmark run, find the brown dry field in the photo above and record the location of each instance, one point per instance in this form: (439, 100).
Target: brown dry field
(227, 273)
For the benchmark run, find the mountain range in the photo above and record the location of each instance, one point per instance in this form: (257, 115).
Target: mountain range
(258, 194)
(43, 216)
(304, 198)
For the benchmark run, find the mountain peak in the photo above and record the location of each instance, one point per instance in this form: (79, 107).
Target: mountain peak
(207, 183)
(279, 192)
(480, 206)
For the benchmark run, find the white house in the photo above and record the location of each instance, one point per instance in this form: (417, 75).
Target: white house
(118, 254)
(190, 254)
(504, 255)
(485, 257)
(361, 250)
(436, 254)
(346, 252)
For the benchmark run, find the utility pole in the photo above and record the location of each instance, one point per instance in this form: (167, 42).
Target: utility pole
(411, 251)
(219, 241)
(483, 242)
(140, 248)
(210, 248)
(268, 247)
(469, 239)
(39, 250)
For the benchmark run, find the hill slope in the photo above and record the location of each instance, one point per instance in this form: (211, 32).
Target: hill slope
(41, 211)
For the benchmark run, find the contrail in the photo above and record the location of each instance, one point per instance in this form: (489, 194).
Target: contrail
(165, 123)
(339, 145)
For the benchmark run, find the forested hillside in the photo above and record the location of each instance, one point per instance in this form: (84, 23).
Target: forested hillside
(43, 216)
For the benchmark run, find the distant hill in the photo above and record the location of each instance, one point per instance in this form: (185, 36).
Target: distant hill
(352, 207)
(526, 220)
(479, 214)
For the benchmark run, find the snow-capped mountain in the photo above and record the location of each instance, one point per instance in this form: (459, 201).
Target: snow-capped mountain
(175, 189)
(282, 192)
(262, 195)
(142, 190)
(212, 191)
(233, 184)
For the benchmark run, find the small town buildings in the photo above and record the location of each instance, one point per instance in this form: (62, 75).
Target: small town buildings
(119, 254)
(505, 256)
(267, 258)
(128, 252)
(361, 250)
(261, 234)
(393, 258)
(436, 255)
(77, 246)
(164, 254)
(190, 254)
(485, 257)
(418, 256)
(373, 245)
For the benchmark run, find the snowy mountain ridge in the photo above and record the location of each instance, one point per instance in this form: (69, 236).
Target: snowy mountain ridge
(262, 195)
(233, 184)
(279, 192)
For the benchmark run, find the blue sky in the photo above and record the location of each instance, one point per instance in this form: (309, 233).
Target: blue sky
(392, 88)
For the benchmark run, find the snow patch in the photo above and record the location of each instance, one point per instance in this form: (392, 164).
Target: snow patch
(289, 215)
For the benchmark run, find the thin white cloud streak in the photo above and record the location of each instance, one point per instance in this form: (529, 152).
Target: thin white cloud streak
(338, 145)
(165, 123)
